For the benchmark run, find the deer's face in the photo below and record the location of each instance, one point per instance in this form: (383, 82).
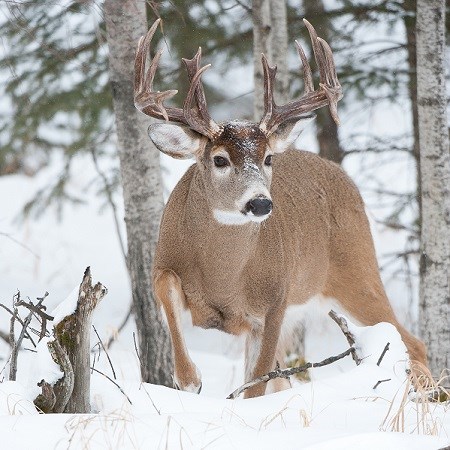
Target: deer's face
(237, 171)
(236, 167)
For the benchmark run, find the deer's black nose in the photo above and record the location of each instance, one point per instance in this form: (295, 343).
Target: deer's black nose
(259, 206)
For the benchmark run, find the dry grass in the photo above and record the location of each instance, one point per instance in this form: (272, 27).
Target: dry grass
(424, 398)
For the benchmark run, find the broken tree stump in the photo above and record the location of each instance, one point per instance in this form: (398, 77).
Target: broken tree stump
(70, 349)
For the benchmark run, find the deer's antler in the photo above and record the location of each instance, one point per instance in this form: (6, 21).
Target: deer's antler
(151, 103)
(329, 92)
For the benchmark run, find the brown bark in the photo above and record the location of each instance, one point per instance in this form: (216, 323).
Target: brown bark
(141, 182)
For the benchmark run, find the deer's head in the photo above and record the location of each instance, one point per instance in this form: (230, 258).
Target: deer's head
(234, 158)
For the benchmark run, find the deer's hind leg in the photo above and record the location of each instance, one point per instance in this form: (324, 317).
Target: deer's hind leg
(169, 292)
(362, 295)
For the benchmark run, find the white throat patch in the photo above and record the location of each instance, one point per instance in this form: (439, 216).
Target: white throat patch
(236, 218)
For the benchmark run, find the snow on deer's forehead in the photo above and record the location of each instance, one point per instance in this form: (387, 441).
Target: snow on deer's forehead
(243, 141)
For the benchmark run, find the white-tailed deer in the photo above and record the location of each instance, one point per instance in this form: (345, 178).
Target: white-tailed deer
(254, 226)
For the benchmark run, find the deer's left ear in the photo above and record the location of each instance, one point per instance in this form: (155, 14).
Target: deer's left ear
(288, 132)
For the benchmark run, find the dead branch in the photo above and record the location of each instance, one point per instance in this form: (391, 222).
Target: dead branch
(18, 320)
(39, 311)
(286, 373)
(381, 381)
(106, 352)
(8, 236)
(121, 327)
(342, 323)
(386, 348)
(112, 381)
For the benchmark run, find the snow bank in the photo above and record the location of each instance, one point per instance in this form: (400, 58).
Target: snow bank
(341, 411)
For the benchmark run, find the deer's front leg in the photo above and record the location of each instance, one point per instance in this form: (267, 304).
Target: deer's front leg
(260, 350)
(169, 292)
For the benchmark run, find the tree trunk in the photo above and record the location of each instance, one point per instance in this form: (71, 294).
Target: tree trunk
(270, 38)
(409, 20)
(141, 182)
(435, 173)
(326, 128)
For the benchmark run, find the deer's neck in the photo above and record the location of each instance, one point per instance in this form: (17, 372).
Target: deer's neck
(218, 247)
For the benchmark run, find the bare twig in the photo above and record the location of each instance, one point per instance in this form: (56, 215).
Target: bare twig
(112, 381)
(15, 345)
(386, 348)
(109, 197)
(286, 373)
(121, 327)
(342, 323)
(106, 352)
(8, 236)
(18, 320)
(381, 381)
(39, 311)
(136, 348)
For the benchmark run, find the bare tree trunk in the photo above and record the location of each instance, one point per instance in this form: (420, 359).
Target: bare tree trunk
(141, 181)
(326, 128)
(409, 20)
(435, 173)
(270, 38)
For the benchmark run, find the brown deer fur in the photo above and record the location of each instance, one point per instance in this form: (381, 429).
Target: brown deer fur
(241, 278)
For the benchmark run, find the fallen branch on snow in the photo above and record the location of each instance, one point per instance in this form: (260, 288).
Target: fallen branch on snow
(286, 373)
(343, 325)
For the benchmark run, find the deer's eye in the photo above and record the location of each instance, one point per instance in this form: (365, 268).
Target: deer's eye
(220, 161)
(268, 160)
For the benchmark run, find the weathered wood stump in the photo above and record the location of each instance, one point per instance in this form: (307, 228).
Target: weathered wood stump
(70, 349)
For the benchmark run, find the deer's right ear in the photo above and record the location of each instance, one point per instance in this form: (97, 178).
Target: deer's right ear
(177, 141)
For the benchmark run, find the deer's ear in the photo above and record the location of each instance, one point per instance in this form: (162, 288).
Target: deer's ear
(177, 141)
(288, 132)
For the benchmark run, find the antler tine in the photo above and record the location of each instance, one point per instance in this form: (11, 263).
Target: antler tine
(193, 69)
(269, 81)
(307, 73)
(333, 88)
(199, 119)
(331, 67)
(318, 52)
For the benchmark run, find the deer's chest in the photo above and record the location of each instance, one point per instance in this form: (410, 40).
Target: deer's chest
(226, 307)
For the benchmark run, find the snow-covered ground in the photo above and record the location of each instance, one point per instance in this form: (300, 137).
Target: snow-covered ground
(338, 409)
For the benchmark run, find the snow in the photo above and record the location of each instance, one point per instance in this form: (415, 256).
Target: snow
(66, 307)
(43, 368)
(341, 412)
